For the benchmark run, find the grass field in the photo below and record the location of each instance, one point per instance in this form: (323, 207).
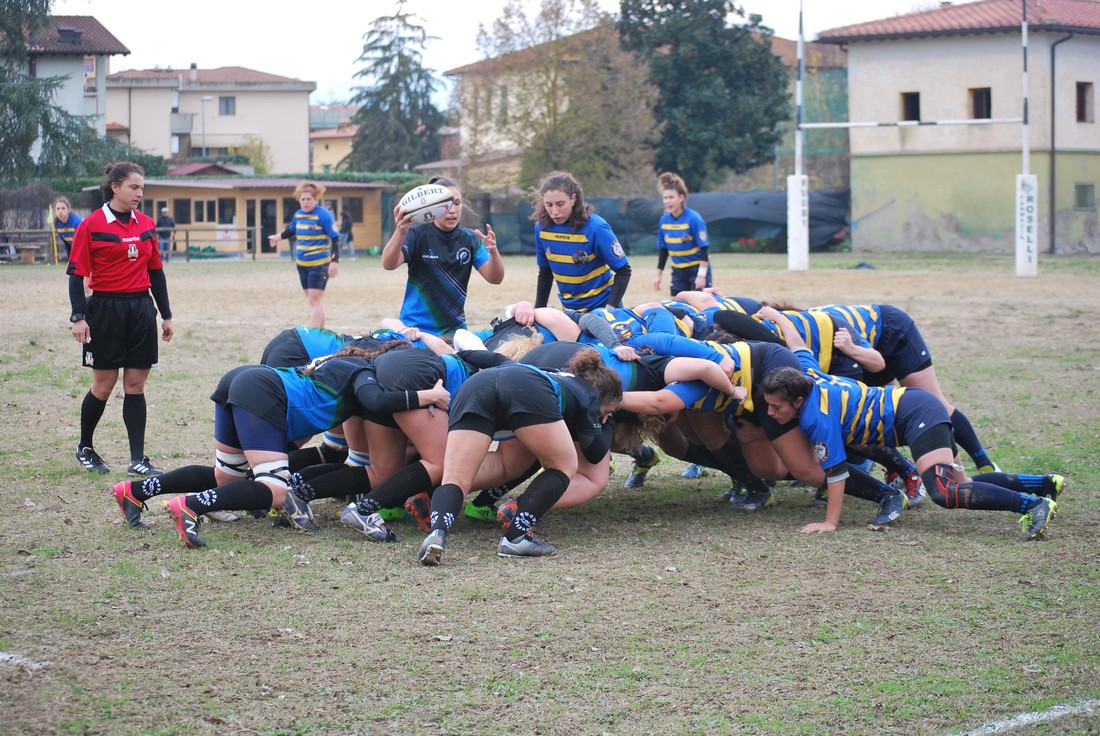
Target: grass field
(662, 613)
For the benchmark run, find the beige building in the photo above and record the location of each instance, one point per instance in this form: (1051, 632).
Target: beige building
(190, 113)
(919, 185)
(328, 148)
(78, 49)
(234, 216)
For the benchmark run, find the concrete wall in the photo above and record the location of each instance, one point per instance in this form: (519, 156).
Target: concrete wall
(952, 187)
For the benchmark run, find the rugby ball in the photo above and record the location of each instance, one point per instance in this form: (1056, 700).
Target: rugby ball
(426, 203)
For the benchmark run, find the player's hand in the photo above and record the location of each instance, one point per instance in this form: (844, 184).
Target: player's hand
(657, 282)
(488, 237)
(438, 396)
(768, 313)
(842, 340)
(82, 333)
(167, 330)
(401, 219)
(273, 241)
(818, 528)
(333, 269)
(524, 314)
(412, 334)
(700, 282)
(625, 352)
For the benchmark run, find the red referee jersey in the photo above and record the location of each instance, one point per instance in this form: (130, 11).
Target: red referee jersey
(116, 257)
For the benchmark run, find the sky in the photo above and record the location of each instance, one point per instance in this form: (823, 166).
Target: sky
(323, 46)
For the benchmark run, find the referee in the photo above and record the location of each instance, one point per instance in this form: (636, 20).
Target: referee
(116, 249)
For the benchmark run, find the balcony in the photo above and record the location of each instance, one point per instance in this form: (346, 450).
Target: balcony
(182, 123)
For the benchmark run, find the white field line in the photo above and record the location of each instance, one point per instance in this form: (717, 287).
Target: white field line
(18, 660)
(1030, 719)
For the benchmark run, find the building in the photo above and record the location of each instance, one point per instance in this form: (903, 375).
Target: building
(191, 113)
(330, 136)
(78, 49)
(921, 185)
(235, 215)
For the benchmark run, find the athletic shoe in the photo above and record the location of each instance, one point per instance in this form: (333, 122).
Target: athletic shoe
(893, 503)
(526, 546)
(506, 512)
(481, 513)
(991, 468)
(430, 553)
(1034, 522)
(187, 523)
(373, 526)
(143, 468)
(1053, 486)
(912, 486)
(90, 460)
(466, 340)
(642, 467)
(394, 513)
(222, 516)
(733, 491)
(419, 507)
(821, 497)
(298, 513)
(693, 471)
(130, 507)
(754, 501)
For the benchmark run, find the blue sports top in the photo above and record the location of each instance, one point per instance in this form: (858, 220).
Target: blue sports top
(583, 262)
(314, 232)
(684, 237)
(440, 264)
(842, 411)
(66, 230)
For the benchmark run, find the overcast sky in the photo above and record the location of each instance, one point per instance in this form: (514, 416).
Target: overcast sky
(320, 43)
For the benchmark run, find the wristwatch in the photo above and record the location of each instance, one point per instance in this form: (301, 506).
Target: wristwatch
(76, 317)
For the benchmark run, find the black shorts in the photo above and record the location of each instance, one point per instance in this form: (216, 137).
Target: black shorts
(313, 277)
(766, 357)
(405, 370)
(285, 350)
(124, 332)
(255, 389)
(508, 397)
(649, 372)
(921, 423)
(901, 345)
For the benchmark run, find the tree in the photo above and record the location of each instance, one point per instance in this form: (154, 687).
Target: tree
(398, 123)
(559, 87)
(722, 90)
(37, 137)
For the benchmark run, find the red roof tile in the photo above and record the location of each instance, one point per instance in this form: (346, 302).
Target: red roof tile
(975, 17)
(57, 38)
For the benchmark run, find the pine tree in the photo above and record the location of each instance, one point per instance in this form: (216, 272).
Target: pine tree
(398, 123)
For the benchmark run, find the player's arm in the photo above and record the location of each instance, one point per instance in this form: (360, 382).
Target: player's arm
(392, 253)
(790, 332)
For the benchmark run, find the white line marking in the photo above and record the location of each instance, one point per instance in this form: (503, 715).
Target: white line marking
(18, 660)
(1029, 719)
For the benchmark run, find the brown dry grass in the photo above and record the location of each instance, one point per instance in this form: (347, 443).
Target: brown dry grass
(663, 612)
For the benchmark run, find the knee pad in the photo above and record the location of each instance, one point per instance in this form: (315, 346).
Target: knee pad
(231, 463)
(944, 489)
(273, 474)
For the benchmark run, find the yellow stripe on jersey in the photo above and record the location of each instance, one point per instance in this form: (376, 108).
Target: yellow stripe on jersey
(562, 279)
(582, 295)
(563, 237)
(825, 332)
(744, 372)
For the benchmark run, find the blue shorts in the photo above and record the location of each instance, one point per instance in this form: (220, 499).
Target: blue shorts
(313, 277)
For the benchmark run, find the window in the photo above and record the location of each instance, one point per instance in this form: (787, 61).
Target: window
(910, 105)
(354, 207)
(181, 211)
(1084, 102)
(227, 105)
(206, 210)
(227, 211)
(981, 103)
(1084, 197)
(290, 206)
